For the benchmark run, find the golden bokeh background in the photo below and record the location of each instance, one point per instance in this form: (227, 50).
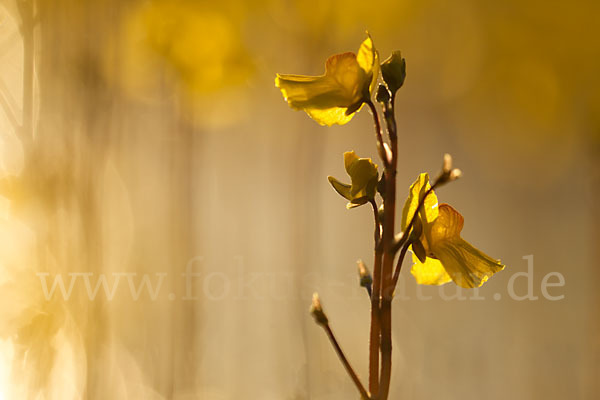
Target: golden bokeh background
(147, 137)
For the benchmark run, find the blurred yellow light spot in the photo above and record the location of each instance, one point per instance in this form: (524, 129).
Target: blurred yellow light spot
(200, 47)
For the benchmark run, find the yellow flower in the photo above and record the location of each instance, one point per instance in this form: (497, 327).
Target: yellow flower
(364, 176)
(449, 256)
(429, 212)
(334, 98)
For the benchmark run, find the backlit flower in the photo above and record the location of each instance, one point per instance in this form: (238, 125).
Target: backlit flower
(364, 176)
(334, 98)
(448, 255)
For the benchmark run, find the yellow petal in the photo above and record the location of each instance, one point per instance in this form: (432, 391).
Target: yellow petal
(429, 273)
(349, 158)
(357, 203)
(362, 171)
(346, 71)
(447, 226)
(467, 266)
(364, 176)
(333, 98)
(417, 190)
(326, 98)
(343, 189)
(330, 116)
(312, 92)
(368, 60)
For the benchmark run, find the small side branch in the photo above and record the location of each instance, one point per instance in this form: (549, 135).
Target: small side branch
(377, 234)
(399, 264)
(321, 319)
(345, 362)
(381, 147)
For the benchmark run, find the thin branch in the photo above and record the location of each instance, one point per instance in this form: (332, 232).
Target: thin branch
(369, 291)
(345, 362)
(375, 331)
(399, 263)
(377, 222)
(380, 143)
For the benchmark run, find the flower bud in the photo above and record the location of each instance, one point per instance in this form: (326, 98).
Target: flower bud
(393, 71)
(366, 280)
(455, 174)
(448, 173)
(447, 165)
(317, 311)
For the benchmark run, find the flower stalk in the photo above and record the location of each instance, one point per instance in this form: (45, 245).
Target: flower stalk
(375, 328)
(387, 285)
(321, 319)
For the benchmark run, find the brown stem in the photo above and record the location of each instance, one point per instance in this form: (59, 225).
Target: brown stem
(375, 329)
(386, 293)
(399, 263)
(375, 333)
(345, 362)
(380, 143)
(389, 205)
(388, 288)
(377, 234)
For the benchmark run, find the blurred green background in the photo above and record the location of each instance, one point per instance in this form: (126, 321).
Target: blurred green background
(147, 136)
